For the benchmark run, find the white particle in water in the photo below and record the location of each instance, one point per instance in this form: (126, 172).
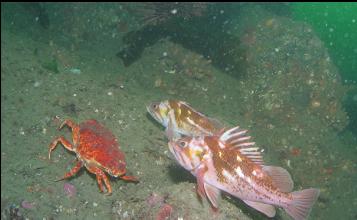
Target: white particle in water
(22, 132)
(75, 71)
(174, 11)
(125, 214)
(36, 84)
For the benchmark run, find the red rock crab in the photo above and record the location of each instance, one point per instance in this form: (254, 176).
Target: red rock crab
(97, 149)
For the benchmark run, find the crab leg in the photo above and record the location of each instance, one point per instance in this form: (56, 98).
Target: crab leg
(75, 130)
(130, 178)
(63, 141)
(101, 177)
(73, 171)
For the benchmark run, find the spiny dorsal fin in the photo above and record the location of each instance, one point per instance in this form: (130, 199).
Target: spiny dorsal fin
(237, 138)
(216, 123)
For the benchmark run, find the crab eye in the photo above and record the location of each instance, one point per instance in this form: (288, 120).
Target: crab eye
(182, 144)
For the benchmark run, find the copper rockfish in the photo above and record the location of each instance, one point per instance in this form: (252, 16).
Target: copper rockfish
(228, 162)
(179, 118)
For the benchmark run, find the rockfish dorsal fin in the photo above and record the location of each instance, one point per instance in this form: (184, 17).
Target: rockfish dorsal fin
(237, 138)
(281, 178)
(216, 123)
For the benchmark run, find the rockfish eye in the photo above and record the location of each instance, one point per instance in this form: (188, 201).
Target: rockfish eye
(155, 106)
(182, 144)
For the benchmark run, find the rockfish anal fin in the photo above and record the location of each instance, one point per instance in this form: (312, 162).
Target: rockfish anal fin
(267, 209)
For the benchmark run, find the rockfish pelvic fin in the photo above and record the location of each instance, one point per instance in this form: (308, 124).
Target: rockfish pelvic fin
(213, 194)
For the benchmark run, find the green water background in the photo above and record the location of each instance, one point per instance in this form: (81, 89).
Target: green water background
(336, 25)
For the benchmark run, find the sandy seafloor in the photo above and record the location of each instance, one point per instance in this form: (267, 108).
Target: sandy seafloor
(33, 98)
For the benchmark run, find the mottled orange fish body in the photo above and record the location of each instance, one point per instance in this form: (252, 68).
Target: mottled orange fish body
(229, 162)
(182, 118)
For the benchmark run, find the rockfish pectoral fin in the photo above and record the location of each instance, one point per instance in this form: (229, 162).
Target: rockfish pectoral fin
(213, 194)
(171, 134)
(170, 131)
(200, 173)
(267, 209)
(281, 178)
(302, 201)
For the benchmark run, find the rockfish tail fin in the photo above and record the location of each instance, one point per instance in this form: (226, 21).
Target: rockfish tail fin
(302, 202)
